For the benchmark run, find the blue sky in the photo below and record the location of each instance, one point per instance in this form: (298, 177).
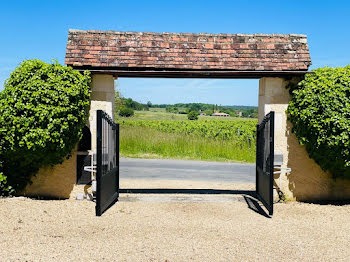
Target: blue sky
(38, 29)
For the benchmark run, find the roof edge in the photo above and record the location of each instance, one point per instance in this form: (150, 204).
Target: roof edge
(79, 31)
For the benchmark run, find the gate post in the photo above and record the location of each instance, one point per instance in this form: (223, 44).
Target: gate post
(102, 98)
(274, 96)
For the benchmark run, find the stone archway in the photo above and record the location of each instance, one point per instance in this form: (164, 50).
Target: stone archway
(274, 59)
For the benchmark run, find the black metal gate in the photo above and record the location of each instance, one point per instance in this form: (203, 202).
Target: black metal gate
(107, 170)
(265, 160)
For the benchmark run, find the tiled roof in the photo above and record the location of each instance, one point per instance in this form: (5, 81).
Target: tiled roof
(184, 51)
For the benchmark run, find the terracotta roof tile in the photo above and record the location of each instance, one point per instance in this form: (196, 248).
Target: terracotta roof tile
(188, 51)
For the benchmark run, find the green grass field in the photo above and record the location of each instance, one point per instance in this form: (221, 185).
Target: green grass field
(141, 142)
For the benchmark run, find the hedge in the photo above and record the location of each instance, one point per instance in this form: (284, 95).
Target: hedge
(320, 113)
(5, 188)
(43, 109)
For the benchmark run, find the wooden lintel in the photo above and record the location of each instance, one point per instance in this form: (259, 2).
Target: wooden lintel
(149, 73)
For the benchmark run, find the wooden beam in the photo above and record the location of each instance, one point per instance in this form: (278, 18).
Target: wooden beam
(157, 73)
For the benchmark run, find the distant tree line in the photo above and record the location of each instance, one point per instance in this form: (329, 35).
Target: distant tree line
(128, 104)
(125, 106)
(208, 109)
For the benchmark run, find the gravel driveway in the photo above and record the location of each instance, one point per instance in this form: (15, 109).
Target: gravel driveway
(67, 230)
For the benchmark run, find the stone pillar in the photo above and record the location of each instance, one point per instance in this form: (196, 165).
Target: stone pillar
(273, 96)
(102, 98)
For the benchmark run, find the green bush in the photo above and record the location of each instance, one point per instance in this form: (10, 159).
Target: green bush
(208, 112)
(43, 109)
(320, 113)
(5, 189)
(126, 111)
(192, 115)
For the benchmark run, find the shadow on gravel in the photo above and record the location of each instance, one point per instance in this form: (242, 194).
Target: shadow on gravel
(249, 195)
(328, 202)
(186, 191)
(255, 206)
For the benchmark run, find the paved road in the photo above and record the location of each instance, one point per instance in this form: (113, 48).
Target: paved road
(132, 168)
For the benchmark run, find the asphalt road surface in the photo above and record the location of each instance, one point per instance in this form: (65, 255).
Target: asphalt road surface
(165, 169)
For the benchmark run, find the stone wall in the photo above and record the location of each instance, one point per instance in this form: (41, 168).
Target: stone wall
(307, 181)
(54, 182)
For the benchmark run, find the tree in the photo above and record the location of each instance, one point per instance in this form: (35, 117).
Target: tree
(172, 109)
(192, 115)
(126, 111)
(209, 112)
(119, 102)
(149, 104)
(127, 102)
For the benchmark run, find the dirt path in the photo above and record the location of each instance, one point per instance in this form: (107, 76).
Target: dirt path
(36, 230)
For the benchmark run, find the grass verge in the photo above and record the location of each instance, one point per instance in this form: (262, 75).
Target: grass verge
(149, 143)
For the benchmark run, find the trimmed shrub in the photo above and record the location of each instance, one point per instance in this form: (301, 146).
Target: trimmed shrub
(5, 189)
(43, 109)
(192, 115)
(126, 111)
(320, 113)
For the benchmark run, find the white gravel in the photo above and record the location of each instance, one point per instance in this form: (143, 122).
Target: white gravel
(67, 230)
